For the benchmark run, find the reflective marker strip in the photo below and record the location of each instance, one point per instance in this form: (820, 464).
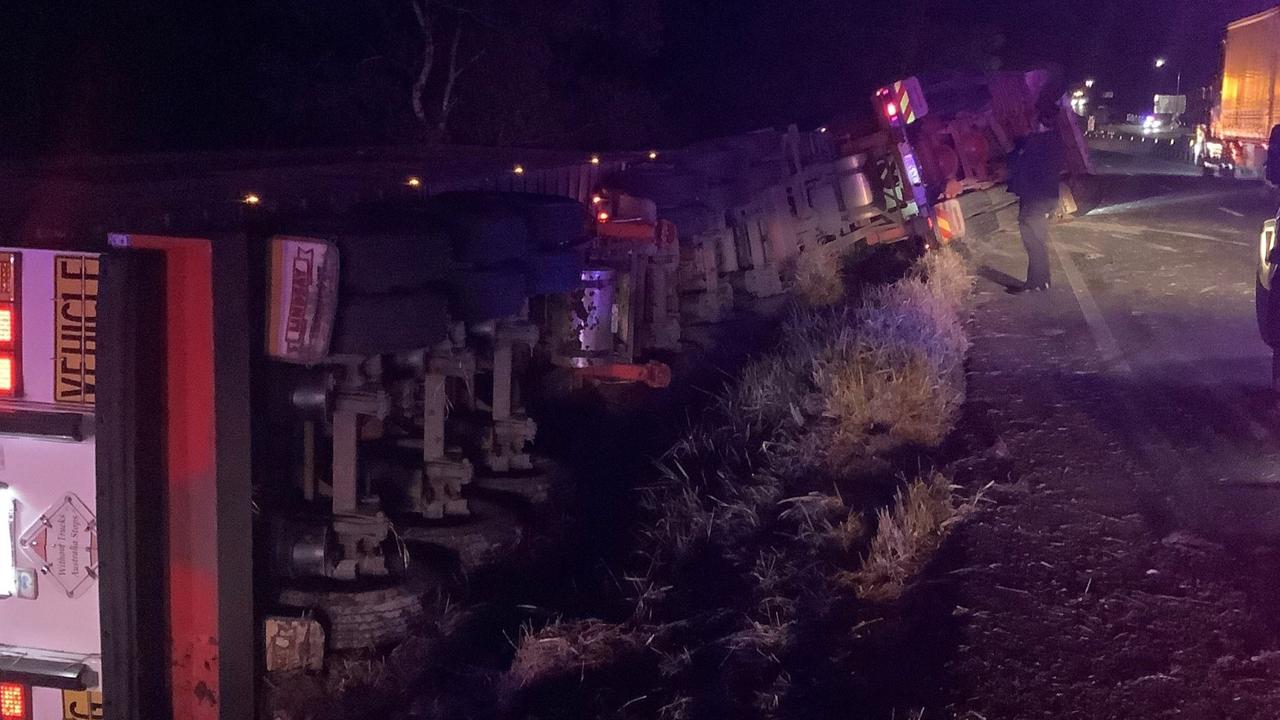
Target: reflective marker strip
(904, 101)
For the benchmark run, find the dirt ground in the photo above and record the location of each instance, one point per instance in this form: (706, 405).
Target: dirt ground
(1124, 565)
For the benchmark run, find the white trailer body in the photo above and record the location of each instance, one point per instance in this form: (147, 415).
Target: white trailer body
(50, 635)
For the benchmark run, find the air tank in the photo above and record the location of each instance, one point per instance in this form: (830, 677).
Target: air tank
(855, 186)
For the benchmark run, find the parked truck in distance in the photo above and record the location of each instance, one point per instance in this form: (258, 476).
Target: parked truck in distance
(1249, 103)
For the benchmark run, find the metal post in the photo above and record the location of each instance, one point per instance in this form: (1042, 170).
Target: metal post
(346, 437)
(502, 364)
(309, 460)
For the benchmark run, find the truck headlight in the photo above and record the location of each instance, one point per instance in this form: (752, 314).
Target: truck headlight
(1266, 241)
(1266, 244)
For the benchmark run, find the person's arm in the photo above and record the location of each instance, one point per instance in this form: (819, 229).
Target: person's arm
(1017, 166)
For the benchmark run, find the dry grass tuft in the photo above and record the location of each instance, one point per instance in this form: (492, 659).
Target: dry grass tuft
(845, 384)
(902, 380)
(948, 274)
(768, 701)
(907, 399)
(345, 673)
(680, 708)
(571, 649)
(906, 537)
(765, 638)
(765, 394)
(820, 277)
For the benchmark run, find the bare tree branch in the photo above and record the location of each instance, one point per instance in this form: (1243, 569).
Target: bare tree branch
(428, 57)
(448, 99)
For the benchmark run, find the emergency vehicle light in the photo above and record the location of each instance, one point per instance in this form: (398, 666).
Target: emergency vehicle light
(14, 703)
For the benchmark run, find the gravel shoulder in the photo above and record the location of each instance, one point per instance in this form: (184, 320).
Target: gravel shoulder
(1124, 565)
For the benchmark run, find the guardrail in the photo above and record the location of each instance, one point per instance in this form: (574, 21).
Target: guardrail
(1176, 149)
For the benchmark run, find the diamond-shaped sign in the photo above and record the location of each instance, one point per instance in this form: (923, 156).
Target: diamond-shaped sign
(64, 542)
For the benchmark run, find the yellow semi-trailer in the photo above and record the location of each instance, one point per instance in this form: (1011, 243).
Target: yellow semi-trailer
(1249, 105)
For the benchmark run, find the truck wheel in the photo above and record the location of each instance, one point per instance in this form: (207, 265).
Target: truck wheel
(376, 265)
(554, 222)
(359, 620)
(555, 272)
(375, 324)
(490, 535)
(490, 294)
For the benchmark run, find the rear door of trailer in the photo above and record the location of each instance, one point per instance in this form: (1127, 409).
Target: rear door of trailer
(124, 533)
(50, 613)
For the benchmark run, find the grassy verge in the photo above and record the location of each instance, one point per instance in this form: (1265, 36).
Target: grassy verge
(779, 511)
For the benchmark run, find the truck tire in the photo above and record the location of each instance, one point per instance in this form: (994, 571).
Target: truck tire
(549, 221)
(379, 264)
(665, 187)
(488, 239)
(358, 620)
(554, 221)
(490, 535)
(555, 272)
(490, 294)
(376, 324)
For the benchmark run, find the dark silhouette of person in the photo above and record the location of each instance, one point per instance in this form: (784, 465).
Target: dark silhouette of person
(1035, 169)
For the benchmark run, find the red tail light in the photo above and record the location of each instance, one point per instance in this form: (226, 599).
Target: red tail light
(15, 702)
(891, 109)
(10, 327)
(6, 375)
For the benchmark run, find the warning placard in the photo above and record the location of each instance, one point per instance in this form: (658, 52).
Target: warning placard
(75, 317)
(64, 541)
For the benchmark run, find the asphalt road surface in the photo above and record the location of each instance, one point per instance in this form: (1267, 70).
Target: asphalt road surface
(1127, 565)
(1153, 300)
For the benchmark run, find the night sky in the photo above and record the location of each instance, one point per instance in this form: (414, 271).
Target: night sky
(137, 76)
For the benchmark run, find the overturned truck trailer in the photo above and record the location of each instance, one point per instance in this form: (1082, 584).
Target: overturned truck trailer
(931, 170)
(214, 437)
(239, 395)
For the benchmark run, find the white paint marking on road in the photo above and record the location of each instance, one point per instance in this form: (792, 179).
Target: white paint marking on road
(1230, 212)
(1130, 230)
(1098, 327)
(1115, 228)
(1160, 201)
(1208, 238)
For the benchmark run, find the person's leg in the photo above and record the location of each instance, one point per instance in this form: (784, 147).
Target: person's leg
(1033, 223)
